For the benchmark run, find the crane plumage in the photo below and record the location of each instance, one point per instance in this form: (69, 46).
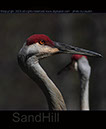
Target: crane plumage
(80, 63)
(39, 46)
(40, 38)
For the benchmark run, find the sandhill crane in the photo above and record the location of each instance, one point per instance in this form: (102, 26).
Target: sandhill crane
(81, 64)
(39, 46)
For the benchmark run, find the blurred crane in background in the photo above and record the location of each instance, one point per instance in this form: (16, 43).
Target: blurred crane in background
(81, 64)
(39, 46)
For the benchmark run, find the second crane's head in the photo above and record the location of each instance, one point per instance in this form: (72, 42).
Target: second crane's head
(41, 46)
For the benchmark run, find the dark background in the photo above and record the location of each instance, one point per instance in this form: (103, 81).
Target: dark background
(18, 91)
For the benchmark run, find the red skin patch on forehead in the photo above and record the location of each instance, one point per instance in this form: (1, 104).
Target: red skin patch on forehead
(77, 57)
(39, 37)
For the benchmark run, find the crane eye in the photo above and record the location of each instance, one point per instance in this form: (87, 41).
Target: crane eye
(41, 42)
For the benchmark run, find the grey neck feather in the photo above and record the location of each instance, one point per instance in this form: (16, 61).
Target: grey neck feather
(53, 95)
(84, 71)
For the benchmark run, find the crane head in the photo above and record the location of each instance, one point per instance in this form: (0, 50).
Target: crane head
(81, 64)
(74, 60)
(74, 64)
(41, 46)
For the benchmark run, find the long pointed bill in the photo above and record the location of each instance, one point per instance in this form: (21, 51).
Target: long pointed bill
(65, 48)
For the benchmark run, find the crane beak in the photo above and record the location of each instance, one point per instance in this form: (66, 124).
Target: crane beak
(66, 48)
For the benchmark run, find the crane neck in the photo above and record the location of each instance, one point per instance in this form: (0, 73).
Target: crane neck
(52, 93)
(84, 72)
(84, 94)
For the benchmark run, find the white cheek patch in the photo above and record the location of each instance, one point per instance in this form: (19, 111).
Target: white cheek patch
(41, 49)
(76, 66)
(32, 49)
(46, 49)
